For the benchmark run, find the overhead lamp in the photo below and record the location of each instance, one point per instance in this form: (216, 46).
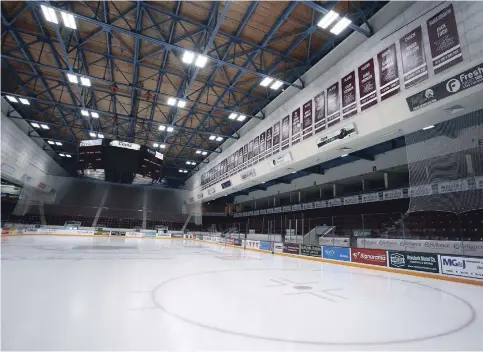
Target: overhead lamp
(62, 154)
(233, 116)
(171, 101)
(12, 99)
(94, 114)
(188, 162)
(72, 78)
(344, 155)
(204, 153)
(181, 104)
(219, 139)
(100, 135)
(84, 113)
(185, 171)
(266, 81)
(58, 143)
(68, 155)
(198, 152)
(155, 145)
(212, 138)
(162, 146)
(92, 134)
(170, 129)
(162, 127)
(341, 25)
(201, 61)
(188, 57)
(68, 19)
(45, 127)
(329, 17)
(34, 124)
(428, 128)
(49, 14)
(51, 142)
(85, 81)
(241, 118)
(24, 101)
(276, 85)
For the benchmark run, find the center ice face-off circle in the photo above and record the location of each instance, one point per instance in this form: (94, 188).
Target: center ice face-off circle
(314, 307)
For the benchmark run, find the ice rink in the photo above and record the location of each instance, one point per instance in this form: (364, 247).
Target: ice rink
(75, 293)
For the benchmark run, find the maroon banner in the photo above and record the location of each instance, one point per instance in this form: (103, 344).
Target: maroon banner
(240, 158)
(319, 123)
(285, 132)
(255, 150)
(262, 146)
(271, 147)
(333, 105)
(349, 102)
(444, 40)
(367, 85)
(389, 84)
(232, 164)
(291, 248)
(369, 256)
(245, 156)
(307, 118)
(414, 65)
(250, 151)
(296, 130)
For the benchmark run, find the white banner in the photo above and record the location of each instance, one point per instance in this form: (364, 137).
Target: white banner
(371, 197)
(393, 194)
(453, 186)
(90, 143)
(278, 247)
(280, 160)
(336, 202)
(459, 266)
(479, 182)
(127, 145)
(425, 246)
(351, 200)
(422, 190)
(335, 241)
(134, 234)
(252, 244)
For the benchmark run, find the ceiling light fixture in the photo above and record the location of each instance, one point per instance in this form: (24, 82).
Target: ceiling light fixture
(61, 154)
(68, 19)
(170, 129)
(162, 127)
(266, 81)
(219, 139)
(233, 116)
(188, 57)
(162, 146)
(188, 162)
(198, 152)
(12, 99)
(45, 127)
(428, 128)
(72, 78)
(36, 125)
(201, 61)
(341, 25)
(85, 81)
(100, 135)
(92, 134)
(212, 138)
(204, 153)
(24, 101)
(94, 114)
(326, 21)
(84, 113)
(171, 101)
(155, 145)
(68, 155)
(49, 14)
(276, 85)
(181, 104)
(241, 118)
(58, 143)
(51, 142)
(344, 155)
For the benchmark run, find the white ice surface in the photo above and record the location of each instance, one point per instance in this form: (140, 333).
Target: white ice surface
(74, 293)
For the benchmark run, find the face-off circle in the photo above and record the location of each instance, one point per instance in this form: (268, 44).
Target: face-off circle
(314, 307)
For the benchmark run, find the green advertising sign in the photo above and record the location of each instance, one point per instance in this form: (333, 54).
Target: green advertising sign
(414, 261)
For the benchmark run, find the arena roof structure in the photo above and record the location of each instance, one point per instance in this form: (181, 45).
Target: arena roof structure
(179, 76)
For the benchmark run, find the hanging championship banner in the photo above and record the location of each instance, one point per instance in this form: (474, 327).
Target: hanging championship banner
(296, 130)
(444, 40)
(307, 119)
(367, 85)
(255, 150)
(262, 146)
(319, 123)
(245, 156)
(250, 152)
(285, 132)
(271, 149)
(414, 65)
(349, 102)
(389, 84)
(333, 106)
(240, 158)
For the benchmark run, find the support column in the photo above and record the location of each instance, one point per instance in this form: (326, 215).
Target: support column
(99, 209)
(337, 190)
(145, 208)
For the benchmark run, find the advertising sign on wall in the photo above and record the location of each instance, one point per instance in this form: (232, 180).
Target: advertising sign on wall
(336, 253)
(414, 64)
(389, 84)
(291, 248)
(349, 102)
(414, 261)
(311, 251)
(265, 246)
(319, 122)
(307, 117)
(296, 129)
(237, 242)
(333, 105)
(229, 241)
(444, 40)
(285, 132)
(369, 256)
(460, 266)
(278, 247)
(367, 85)
(252, 244)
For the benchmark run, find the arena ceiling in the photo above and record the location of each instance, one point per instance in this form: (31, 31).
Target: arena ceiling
(111, 67)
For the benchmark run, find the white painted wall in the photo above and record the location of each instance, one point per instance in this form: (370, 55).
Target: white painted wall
(390, 116)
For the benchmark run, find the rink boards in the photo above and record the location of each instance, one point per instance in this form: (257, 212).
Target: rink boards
(439, 266)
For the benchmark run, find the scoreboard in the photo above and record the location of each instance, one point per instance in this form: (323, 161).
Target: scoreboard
(119, 161)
